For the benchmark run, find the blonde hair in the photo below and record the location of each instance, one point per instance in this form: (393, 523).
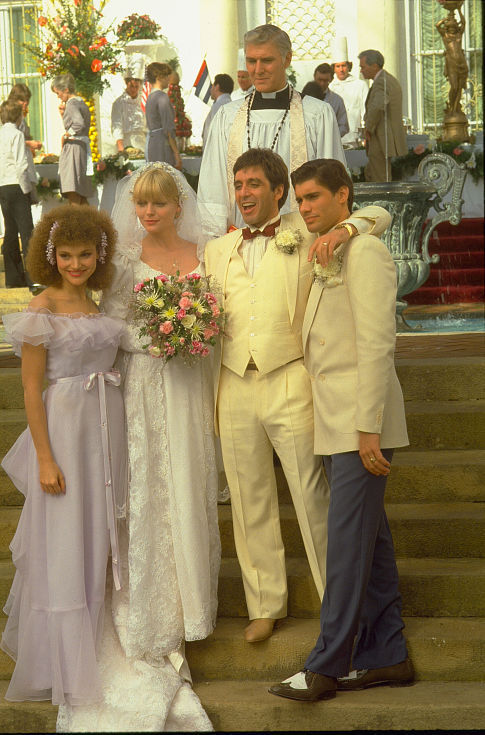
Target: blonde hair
(153, 184)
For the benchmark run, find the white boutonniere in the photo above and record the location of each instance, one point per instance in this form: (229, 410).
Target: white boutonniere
(287, 241)
(330, 275)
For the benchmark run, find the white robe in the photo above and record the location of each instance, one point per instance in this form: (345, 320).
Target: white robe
(353, 92)
(322, 141)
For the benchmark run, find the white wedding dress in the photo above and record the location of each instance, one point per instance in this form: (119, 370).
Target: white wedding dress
(170, 547)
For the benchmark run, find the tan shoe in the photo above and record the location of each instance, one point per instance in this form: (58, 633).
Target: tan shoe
(259, 629)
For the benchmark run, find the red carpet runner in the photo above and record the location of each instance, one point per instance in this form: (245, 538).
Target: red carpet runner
(459, 276)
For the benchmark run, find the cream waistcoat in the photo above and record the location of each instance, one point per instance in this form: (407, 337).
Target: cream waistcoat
(258, 322)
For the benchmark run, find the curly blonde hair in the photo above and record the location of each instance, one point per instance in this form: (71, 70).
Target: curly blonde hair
(76, 224)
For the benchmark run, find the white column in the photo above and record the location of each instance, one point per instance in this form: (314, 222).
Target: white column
(219, 36)
(382, 28)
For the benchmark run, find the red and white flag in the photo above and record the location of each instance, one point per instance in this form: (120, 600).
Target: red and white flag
(147, 88)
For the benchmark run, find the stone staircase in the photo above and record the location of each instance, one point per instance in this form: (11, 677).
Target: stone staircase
(436, 508)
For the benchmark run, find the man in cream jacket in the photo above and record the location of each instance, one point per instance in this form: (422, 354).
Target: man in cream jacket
(263, 396)
(348, 341)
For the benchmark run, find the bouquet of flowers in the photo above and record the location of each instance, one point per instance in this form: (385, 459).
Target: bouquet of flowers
(72, 38)
(137, 27)
(180, 315)
(117, 166)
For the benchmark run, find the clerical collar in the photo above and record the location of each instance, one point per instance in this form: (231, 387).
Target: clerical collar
(271, 100)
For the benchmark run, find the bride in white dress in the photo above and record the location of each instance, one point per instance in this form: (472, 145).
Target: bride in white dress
(170, 547)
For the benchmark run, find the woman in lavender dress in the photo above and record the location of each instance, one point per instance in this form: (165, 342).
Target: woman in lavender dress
(70, 463)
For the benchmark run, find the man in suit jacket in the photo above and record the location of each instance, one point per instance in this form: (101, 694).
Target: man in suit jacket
(263, 396)
(348, 340)
(384, 131)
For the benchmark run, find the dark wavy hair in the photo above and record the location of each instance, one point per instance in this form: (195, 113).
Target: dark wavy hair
(327, 172)
(274, 168)
(76, 224)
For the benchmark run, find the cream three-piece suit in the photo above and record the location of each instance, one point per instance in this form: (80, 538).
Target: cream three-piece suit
(269, 406)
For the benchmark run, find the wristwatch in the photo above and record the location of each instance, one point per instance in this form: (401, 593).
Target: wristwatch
(346, 226)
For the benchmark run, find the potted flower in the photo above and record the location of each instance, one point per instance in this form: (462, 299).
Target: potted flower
(137, 27)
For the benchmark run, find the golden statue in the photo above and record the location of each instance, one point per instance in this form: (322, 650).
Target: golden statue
(456, 70)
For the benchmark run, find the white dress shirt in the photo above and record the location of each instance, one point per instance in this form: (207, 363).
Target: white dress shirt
(252, 251)
(14, 164)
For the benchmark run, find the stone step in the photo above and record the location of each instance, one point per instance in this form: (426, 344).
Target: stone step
(429, 587)
(14, 299)
(442, 649)
(453, 379)
(233, 706)
(430, 380)
(446, 424)
(435, 425)
(417, 529)
(426, 476)
(241, 706)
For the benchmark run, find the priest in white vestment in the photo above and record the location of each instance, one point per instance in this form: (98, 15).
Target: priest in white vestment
(353, 90)
(273, 117)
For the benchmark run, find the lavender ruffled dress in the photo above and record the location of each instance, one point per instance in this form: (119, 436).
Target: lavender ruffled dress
(62, 542)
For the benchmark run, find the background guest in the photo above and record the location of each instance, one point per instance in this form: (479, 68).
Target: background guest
(384, 132)
(75, 163)
(323, 75)
(22, 94)
(244, 84)
(15, 187)
(160, 117)
(221, 89)
(352, 90)
(127, 119)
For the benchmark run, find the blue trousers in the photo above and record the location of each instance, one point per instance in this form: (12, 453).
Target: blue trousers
(360, 619)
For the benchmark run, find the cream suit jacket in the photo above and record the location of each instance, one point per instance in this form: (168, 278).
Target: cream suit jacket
(297, 282)
(349, 337)
(385, 95)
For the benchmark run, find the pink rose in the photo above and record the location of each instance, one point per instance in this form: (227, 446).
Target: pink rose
(138, 287)
(215, 310)
(166, 328)
(205, 352)
(419, 149)
(181, 313)
(162, 277)
(208, 333)
(188, 293)
(210, 298)
(169, 350)
(457, 151)
(182, 340)
(193, 277)
(185, 303)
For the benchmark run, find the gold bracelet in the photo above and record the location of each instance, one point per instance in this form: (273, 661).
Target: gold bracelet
(346, 226)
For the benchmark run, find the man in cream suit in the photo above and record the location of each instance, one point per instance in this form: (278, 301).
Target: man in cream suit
(349, 339)
(384, 131)
(262, 391)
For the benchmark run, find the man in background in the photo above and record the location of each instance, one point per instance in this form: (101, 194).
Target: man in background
(352, 90)
(245, 85)
(323, 75)
(221, 89)
(384, 132)
(128, 124)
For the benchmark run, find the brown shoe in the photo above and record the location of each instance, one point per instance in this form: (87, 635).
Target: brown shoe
(306, 686)
(399, 675)
(259, 629)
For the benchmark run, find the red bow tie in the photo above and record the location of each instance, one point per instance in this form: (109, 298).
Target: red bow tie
(267, 231)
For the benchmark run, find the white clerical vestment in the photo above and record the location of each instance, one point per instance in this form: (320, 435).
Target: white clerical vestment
(320, 139)
(353, 92)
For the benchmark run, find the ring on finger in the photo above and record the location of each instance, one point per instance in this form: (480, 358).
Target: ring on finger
(372, 459)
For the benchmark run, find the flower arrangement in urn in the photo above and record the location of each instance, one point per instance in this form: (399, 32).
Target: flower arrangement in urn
(72, 38)
(180, 315)
(138, 27)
